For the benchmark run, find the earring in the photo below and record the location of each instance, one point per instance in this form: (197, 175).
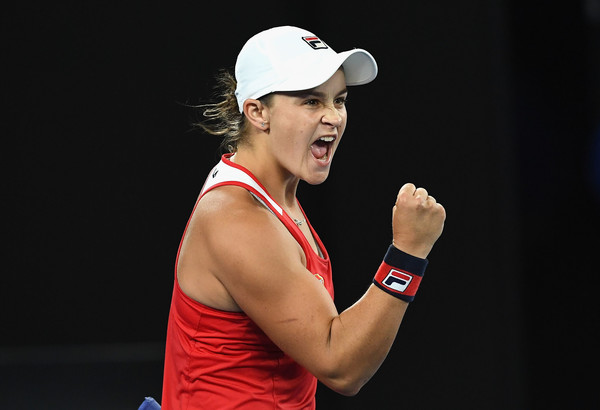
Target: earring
(262, 124)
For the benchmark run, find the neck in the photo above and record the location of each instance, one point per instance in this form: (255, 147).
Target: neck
(281, 185)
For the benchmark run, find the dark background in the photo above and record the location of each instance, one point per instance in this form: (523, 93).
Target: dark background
(493, 106)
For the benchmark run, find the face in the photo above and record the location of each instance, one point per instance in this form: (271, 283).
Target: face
(306, 127)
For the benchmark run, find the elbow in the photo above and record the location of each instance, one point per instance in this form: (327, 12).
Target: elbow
(348, 391)
(346, 386)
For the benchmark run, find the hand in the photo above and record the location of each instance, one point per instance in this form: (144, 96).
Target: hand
(417, 221)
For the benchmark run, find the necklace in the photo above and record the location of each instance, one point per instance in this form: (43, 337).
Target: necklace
(298, 222)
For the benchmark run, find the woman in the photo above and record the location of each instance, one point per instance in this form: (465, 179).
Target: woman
(252, 321)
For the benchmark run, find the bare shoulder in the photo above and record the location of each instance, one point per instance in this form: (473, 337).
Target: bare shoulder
(231, 214)
(236, 228)
(230, 239)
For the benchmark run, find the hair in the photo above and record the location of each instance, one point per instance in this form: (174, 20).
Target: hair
(223, 118)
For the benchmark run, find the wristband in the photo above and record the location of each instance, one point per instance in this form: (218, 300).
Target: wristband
(400, 274)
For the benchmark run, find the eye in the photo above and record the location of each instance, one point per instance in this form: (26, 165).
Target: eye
(341, 101)
(311, 101)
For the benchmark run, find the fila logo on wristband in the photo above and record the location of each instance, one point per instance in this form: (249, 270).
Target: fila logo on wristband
(397, 280)
(401, 283)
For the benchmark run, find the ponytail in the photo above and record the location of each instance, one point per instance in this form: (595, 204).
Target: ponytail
(223, 118)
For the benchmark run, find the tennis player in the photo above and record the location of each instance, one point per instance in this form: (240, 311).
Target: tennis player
(252, 323)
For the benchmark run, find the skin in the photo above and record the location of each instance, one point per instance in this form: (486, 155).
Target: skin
(268, 279)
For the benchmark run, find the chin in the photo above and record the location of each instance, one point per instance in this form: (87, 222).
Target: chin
(317, 179)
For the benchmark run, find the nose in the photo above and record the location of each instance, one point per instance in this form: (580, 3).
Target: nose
(332, 117)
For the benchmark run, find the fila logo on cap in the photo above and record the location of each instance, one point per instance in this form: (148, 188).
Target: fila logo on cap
(315, 42)
(397, 280)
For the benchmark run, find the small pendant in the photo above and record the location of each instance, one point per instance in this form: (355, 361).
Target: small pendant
(297, 221)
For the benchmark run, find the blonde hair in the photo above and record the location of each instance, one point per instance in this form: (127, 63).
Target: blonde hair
(223, 118)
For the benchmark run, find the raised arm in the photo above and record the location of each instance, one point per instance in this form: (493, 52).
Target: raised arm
(262, 268)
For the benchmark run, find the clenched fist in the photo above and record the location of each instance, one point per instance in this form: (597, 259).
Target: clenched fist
(417, 221)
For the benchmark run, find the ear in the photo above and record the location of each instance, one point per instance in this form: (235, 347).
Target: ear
(257, 113)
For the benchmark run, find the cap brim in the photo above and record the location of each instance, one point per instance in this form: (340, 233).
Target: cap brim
(359, 66)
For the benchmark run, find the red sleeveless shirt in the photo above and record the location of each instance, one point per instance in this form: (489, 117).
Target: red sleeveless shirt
(216, 359)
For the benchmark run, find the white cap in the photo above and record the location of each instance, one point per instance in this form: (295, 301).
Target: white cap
(292, 59)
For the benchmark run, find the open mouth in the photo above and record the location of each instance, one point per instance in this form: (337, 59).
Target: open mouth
(321, 149)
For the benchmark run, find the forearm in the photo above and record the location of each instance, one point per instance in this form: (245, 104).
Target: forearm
(365, 332)
(360, 339)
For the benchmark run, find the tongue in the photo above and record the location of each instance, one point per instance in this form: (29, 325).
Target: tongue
(319, 149)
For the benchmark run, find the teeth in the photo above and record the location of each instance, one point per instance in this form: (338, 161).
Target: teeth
(327, 139)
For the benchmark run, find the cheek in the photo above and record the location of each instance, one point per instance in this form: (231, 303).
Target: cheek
(344, 115)
(344, 124)
(296, 134)
(290, 138)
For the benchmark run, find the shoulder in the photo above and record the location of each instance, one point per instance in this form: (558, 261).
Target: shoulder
(225, 201)
(231, 207)
(230, 219)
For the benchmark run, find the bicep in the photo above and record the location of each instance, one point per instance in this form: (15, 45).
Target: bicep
(261, 266)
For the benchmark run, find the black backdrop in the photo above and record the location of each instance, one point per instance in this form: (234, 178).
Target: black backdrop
(492, 105)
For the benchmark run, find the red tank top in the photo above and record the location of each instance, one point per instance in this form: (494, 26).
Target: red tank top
(222, 360)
